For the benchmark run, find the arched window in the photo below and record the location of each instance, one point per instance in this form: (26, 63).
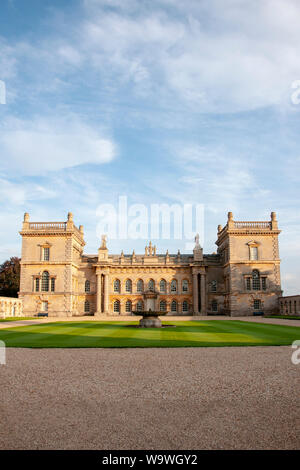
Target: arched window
(185, 306)
(140, 285)
(214, 286)
(162, 306)
(128, 285)
(255, 280)
(185, 285)
(128, 306)
(139, 305)
(45, 281)
(151, 285)
(214, 306)
(117, 306)
(173, 306)
(174, 286)
(86, 306)
(117, 285)
(87, 286)
(162, 285)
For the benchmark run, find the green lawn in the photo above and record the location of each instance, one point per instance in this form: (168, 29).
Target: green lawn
(17, 318)
(285, 317)
(92, 334)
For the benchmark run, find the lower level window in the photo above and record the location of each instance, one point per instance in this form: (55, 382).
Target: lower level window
(45, 306)
(128, 306)
(86, 306)
(185, 306)
(174, 306)
(214, 306)
(256, 304)
(162, 306)
(117, 306)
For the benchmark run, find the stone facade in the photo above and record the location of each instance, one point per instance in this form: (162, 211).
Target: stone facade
(242, 278)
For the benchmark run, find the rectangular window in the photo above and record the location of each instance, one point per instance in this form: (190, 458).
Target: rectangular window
(46, 254)
(52, 284)
(256, 304)
(248, 283)
(45, 306)
(214, 286)
(253, 253)
(37, 284)
(264, 283)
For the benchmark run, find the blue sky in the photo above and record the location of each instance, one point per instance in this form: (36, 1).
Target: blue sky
(162, 101)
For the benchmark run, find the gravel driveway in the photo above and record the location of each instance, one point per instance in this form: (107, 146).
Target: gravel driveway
(181, 398)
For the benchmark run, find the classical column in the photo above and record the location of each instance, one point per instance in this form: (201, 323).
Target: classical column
(98, 294)
(106, 294)
(195, 293)
(203, 294)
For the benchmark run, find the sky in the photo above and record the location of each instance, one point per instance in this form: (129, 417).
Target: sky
(161, 101)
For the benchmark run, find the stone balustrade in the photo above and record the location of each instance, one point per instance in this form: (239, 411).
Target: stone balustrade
(10, 307)
(289, 305)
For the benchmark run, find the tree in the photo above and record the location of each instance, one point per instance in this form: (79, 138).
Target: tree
(10, 277)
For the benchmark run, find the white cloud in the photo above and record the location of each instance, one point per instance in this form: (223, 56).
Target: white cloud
(49, 144)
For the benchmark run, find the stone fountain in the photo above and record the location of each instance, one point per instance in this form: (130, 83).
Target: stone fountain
(150, 317)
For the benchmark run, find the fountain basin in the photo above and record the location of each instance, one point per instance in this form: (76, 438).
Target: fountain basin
(150, 319)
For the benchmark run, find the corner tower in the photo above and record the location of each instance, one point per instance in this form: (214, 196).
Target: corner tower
(51, 254)
(251, 266)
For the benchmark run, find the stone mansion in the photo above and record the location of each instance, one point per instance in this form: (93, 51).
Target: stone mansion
(59, 279)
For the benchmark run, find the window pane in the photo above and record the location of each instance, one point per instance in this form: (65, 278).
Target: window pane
(140, 285)
(253, 253)
(174, 286)
(45, 281)
(52, 284)
(46, 254)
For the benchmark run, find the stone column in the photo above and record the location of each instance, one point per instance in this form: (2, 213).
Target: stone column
(106, 294)
(98, 312)
(195, 293)
(203, 294)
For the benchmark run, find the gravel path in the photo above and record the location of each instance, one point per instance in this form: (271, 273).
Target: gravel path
(187, 398)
